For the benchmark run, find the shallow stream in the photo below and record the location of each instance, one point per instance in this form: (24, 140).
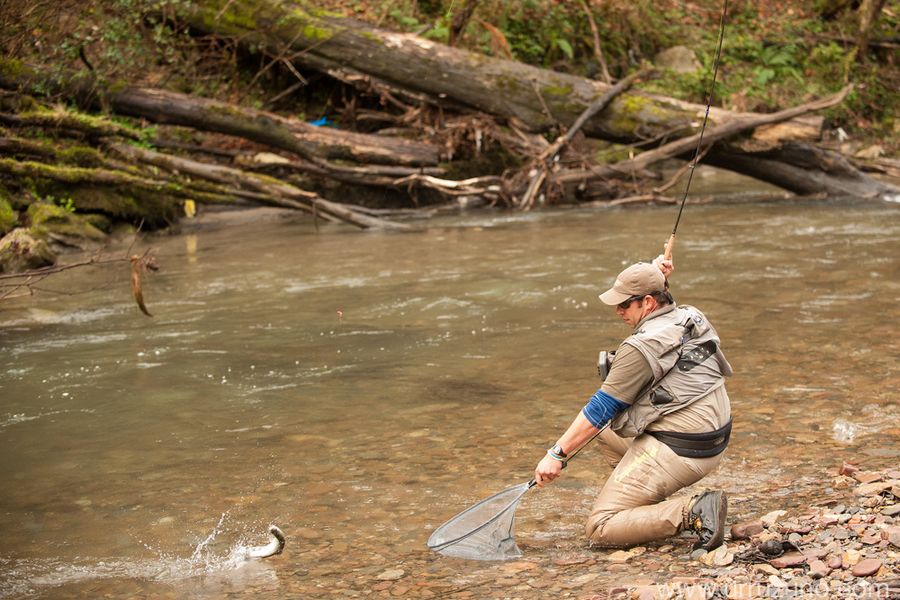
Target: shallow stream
(358, 389)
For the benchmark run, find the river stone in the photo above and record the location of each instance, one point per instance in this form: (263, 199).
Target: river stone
(873, 489)
(786, 561)
(891, 511)
(695, 592)
(818, 569)
(771, 547)
(870, 539)
(766, 568)
(835, 562)
(894, 539)
(391, 575)
(868, 476)
(720, 557)
(20, 251)
(698, 554)
(620, 556)
(848, 469)
(840, 533)
(746, 530)
(850, 558)
(866, 567)
(771, 518)
(744, 591)
(679, 59)
(518, 566)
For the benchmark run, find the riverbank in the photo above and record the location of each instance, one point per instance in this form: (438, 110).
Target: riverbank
(163, 149)
(846, 544)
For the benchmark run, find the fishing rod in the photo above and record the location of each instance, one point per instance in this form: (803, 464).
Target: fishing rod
(670, 245)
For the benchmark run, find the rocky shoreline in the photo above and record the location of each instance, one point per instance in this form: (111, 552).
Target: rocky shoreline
(845, 546)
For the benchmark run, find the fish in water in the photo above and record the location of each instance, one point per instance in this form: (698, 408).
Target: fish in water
(275, 545)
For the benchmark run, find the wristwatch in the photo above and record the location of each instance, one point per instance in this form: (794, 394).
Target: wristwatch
(557, 450)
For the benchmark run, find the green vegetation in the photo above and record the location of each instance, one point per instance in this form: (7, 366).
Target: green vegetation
(8, 218)
(775, 54)
(67, 204)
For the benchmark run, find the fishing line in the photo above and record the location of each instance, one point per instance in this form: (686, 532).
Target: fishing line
(712, 89)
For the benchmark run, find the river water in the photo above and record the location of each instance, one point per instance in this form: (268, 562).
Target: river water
(358, 389)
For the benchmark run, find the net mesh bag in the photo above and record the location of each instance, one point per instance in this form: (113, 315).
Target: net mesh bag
(483, 531)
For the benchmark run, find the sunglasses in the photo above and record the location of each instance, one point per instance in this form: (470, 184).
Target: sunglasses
(626, 303)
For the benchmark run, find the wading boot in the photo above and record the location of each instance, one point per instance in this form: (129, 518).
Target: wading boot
(706, 517)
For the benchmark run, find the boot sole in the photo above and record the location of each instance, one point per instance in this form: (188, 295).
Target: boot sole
(719, 537)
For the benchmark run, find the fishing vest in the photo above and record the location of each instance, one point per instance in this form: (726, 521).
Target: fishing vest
(682, 349)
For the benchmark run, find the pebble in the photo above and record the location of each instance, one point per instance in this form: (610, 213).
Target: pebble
(518, 566)
(695, 592)
(746, 530)
(391, 575)
(771, 518)
(867, 476)
(744, 591)
(766, 568)
(842, 534)
(787, 560)
(866, 567)
(622, 556)
(720, 557)
(698, 554)
(818, 569)
(836, 542)
(871, 489)
(771, 547)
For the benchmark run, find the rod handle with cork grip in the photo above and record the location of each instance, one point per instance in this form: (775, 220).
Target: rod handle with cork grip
(670, 246)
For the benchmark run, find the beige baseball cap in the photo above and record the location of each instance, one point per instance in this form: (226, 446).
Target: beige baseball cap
(637, 280)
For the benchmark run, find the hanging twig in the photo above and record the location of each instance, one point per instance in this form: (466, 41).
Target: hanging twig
(598, 51)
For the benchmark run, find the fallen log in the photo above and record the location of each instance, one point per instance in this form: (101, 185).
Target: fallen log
(294, 136)
(278, 192)
(537, 99)
(545, 162)
(61, 120)
(161, 106)
(825, 172)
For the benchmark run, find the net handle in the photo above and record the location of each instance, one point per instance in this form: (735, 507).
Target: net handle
(565, 462)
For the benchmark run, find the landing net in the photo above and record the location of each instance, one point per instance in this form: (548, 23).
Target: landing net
(483, 531)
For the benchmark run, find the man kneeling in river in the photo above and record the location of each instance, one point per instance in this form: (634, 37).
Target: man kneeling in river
(668, 417)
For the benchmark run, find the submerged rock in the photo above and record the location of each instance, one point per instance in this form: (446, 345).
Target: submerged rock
(20, 251)
(391, 575)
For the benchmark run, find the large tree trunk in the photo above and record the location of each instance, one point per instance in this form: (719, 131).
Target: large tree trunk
(533, 98)
(160, 106)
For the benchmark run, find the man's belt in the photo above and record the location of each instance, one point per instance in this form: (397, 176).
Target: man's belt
(695, 445)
